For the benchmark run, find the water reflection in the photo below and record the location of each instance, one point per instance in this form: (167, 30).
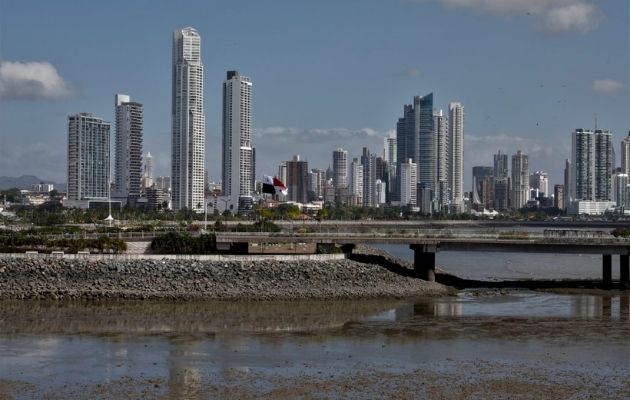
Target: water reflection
(184, 377)
(307, 317)
(187, 345)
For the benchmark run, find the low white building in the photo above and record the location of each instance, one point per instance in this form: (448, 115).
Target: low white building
(590, 207)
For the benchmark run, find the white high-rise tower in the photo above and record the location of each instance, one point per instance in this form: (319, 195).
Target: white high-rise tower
(237, 166)
(340, 168)
(456, 154)
(188, 122)
(625, 155)
(88, 158)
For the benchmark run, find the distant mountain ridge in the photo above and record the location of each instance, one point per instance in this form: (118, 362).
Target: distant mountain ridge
(26, 182)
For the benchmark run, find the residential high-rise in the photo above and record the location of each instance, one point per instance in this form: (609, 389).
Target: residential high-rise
(501, 193)
(128, 157)
(392, 165)
(147, 173)
(621, 183)
(603, 165)
(500, 165)
(539, 181)
(441, 131)
(456, 154)
(238, 162)
(188, 122)
(592, 165)
(282, 172)
(380, 189)
(356, 181)
(408, 183)
(625, 155)
(582, 169)
(520, 180)
(88, 158)
(369, 178)
(427, 162)
(340, 168)
(389, 151)
(559, 196)
(297, 180)
(316, 183)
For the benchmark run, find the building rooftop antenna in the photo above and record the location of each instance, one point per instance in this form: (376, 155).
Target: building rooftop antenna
(595, 117)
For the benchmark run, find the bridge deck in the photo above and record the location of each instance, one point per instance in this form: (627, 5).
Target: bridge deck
(525, 245)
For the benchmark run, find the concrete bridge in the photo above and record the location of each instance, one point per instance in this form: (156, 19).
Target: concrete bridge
(425, 246)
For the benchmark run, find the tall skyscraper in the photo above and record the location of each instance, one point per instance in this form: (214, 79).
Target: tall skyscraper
(238, 162)
(456, 154)
(389, 151)
(583, 165)
(539, 181)
(356, 181)
(501, 193)
(604, 162)
(147, 173)
(520, 180)
(188, 122)
(88, 158)
(128, 157)
(282, 172)
(559, 196)
(441, 131)
(369, 178)
(500, 165)
(621, 195)
(427, 162)
(340, 168)
(592, 165)
(415, 139)
(480, 174)
(568, 183)
(625, 155)
(317, 182)
(297, 180)
(408, 183)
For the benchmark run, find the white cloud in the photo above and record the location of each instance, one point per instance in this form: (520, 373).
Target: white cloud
(32, 81)
(581, 17)
(607, 85)
(554, 15)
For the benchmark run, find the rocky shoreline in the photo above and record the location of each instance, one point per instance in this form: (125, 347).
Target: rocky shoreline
(364, 274)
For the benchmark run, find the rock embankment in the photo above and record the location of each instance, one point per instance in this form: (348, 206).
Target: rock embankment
(48, 278)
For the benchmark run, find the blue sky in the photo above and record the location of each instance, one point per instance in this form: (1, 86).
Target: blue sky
(326, 74)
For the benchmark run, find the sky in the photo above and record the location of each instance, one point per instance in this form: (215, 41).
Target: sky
(326, 74)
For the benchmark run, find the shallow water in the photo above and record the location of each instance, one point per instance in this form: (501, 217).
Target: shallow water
(277, 349)
(508, 266)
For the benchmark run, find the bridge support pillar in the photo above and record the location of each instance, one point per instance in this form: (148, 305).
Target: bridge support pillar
(607, 270)
(424, 261)
(624, 269)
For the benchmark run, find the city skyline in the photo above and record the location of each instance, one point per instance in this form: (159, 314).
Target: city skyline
(557, 94)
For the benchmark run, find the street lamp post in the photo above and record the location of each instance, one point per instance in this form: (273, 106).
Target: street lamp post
(205, 215)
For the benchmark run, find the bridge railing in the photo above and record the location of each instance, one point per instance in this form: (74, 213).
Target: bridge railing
(553, 235)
